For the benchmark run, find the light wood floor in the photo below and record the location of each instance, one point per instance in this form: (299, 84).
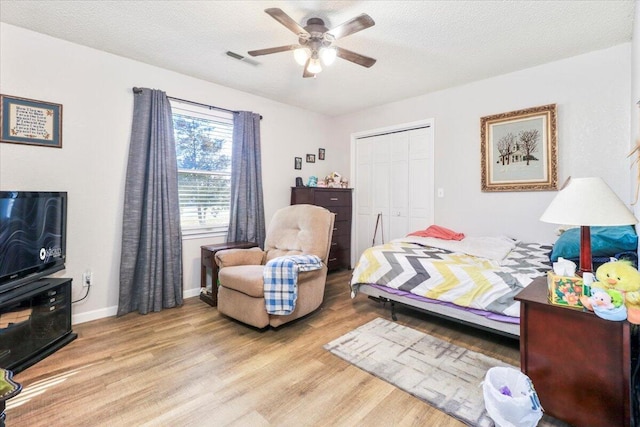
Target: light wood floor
(190, 366)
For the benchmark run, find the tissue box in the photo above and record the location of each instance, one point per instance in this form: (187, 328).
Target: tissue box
(565, 291)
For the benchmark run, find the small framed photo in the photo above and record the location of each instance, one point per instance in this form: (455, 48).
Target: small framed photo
(311, 158)
(320, 153)
(520, 150)
(31, 122)
(298, 163)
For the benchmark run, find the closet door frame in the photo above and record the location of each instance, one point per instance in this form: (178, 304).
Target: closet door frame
(427, 123)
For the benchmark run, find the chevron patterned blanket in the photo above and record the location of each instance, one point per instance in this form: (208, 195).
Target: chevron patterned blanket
(453, 277)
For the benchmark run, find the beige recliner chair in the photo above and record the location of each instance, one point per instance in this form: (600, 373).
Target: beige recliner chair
(294, 230)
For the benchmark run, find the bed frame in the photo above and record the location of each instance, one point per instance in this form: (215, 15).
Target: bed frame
(510, 330)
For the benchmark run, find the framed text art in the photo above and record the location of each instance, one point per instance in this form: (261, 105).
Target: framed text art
(27, 121)
(520, 150)
(311, 158)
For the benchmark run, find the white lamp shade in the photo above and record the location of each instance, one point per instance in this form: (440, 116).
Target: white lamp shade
(587, 201)
(328, 55)
(301, 55)
(314, 66)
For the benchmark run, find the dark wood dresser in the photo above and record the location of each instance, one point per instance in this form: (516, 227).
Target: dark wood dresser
(338, 201)
(583, 368)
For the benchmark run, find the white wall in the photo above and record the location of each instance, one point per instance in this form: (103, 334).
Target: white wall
(635, 104)
(95, 90)
(592, 94)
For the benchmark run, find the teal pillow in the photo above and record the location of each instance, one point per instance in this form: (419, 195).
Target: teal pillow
(605, 242)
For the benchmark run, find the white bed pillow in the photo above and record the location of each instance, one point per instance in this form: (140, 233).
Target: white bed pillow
(493, 248)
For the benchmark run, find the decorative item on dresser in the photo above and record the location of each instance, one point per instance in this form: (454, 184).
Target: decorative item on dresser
(338, 201)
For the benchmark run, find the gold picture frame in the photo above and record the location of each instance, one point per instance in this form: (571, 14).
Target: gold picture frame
(519, 150)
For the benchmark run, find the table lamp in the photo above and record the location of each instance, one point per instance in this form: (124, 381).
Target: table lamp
(587, 202)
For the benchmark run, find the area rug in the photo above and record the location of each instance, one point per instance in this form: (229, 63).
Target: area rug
(444, 375)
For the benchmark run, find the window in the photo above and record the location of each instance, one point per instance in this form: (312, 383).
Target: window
(203, 150)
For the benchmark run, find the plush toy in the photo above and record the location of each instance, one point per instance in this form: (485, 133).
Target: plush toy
(608, 304)
(623, 277)
(620, 275)
(333, 180)
(601, 299)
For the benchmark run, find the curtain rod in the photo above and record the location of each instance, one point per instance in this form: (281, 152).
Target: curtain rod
(199, 104)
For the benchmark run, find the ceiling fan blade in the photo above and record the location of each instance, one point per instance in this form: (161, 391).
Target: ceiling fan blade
(286, 20)
(365, 61)
(306, 73)
(271, 50)
(354, 25)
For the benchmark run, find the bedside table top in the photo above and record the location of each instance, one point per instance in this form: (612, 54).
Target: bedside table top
(228, 245)
(536, 292)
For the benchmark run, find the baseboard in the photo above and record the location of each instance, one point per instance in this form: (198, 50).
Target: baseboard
(94, 315)
(193, 292)
(112, 311)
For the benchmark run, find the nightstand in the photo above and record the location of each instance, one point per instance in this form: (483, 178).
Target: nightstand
(209, 290)
(581, 365)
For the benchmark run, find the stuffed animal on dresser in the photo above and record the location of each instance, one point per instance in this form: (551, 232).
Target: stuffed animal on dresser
(622, 277)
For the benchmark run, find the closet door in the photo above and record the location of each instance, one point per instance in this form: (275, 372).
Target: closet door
(381, 177)
(398, 218)
(420, 181)
(394, 177)
(364, 217)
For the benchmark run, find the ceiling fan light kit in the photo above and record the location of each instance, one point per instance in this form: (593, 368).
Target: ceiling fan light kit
(328, 55)
(301, 55)
(315, 42)
(314, 66)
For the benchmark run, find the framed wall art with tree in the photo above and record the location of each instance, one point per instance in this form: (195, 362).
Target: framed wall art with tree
(520, 150)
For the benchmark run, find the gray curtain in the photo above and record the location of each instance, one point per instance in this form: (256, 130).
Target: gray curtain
(151, 261)
(247, 206)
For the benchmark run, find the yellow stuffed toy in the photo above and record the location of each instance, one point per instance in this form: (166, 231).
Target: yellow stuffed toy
(621, 276)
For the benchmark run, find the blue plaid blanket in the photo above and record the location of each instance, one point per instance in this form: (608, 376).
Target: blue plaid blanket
(281, 281)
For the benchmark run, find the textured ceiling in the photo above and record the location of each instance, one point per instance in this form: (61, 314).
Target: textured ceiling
(421, 46)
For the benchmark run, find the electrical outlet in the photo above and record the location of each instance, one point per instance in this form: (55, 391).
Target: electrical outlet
(86, 278)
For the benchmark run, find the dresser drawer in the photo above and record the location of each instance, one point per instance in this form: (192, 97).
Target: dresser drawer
(301, 196)
(341, 241)
(341, 228)
(338, 259)
(343, 213)
(333, 198)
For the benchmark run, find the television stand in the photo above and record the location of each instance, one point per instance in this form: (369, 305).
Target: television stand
(35, 321)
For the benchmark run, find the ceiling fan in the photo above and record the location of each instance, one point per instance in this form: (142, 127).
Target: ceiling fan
(316, 42)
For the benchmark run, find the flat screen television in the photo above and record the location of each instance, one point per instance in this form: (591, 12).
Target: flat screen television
(33, 236)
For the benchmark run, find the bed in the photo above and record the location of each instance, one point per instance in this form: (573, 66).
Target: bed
(472, 280)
